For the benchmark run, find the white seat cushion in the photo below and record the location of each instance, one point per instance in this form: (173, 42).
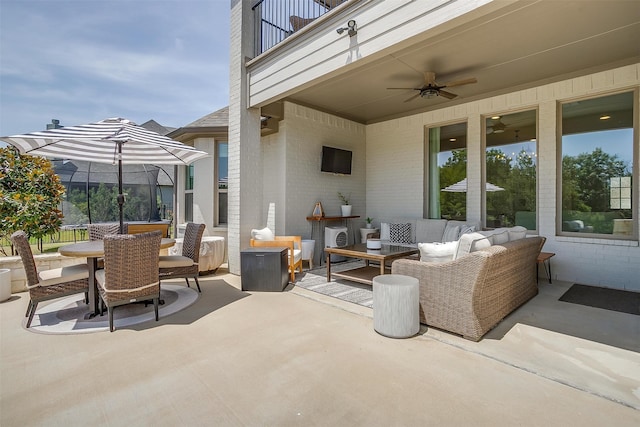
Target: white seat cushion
(297, 255)
(64, 274)
(174, 261)
(100, 277)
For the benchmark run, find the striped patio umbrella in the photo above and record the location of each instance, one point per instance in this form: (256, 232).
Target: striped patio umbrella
(115, 141)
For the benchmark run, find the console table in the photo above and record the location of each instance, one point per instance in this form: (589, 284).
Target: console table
(317, 231)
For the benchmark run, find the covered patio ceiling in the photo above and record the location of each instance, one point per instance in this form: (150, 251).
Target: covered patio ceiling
(521, 45)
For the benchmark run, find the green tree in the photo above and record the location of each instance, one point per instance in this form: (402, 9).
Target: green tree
(30, 194)
(103, 203)
(586, 191)
(500, 210)
(587, 177)
(453, 205)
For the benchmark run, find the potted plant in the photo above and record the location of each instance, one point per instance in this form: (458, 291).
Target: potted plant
(346, 207)
(369, 222)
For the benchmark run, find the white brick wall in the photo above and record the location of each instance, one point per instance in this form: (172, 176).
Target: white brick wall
(303, 133)
(395, 173)
(245, 159)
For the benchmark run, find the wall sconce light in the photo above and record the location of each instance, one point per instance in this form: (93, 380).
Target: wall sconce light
(351, 28)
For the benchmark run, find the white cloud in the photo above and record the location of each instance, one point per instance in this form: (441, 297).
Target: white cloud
(84, 61)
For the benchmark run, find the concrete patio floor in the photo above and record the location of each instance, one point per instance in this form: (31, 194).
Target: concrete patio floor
(299, 358)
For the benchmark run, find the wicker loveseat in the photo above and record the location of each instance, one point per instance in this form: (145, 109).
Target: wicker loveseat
(472, 294)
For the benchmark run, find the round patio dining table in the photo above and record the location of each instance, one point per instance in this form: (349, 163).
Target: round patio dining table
(93, 250)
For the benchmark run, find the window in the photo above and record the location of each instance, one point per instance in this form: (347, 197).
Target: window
(446, 172)
(188, 194)
(510, 170)
(597, 152)
(222, 167)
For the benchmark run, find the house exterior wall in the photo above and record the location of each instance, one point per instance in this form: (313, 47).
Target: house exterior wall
(306, 131)
(292, 180)
(274, 182)
(395, 169)
(245, 157)
(203, 170)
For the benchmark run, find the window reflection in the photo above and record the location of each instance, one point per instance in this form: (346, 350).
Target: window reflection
(447, 166)
(510, 165)
(597, 165)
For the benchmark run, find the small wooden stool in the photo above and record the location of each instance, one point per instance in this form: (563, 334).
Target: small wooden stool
(545, 259)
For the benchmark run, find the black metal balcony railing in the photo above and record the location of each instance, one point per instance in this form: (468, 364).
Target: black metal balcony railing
(278, 19)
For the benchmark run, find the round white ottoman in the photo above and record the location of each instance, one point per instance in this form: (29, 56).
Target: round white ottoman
(396, 305)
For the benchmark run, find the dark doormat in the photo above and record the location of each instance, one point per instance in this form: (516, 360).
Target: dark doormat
(609, 299)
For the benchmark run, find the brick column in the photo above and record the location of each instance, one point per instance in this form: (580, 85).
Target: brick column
(245, 158)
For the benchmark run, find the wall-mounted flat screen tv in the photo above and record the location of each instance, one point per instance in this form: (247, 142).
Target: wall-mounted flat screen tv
(336, 160)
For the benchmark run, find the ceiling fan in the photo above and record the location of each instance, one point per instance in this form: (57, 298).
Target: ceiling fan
(432, 89)
(497, 126)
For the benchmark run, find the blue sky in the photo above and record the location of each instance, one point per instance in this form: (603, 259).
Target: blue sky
(81, 61)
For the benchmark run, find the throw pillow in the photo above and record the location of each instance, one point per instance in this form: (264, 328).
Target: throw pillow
(263, 234)
(451, 233)
(517, 232)
(437, 252)
(465, 229)
(430, 230)
(471, 242)
(400, 233)
(500, 236)
(384, 231)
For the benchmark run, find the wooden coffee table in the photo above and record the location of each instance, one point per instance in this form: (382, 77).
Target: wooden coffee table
(367, 273)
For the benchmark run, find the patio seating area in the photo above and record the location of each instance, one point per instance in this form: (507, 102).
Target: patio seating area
(265, 358)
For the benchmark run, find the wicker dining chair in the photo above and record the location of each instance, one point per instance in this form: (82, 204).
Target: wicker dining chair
(49, 284)
(98, 231)
(130, 271)
(185, 265)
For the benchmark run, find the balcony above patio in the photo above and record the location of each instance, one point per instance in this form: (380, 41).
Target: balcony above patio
(278, 19)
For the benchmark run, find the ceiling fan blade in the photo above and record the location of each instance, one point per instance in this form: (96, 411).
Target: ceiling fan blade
(446, 94)
(460, 82)
(413, 97)
(403, 88)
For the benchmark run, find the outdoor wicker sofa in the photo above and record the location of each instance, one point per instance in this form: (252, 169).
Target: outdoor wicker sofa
(472, 294)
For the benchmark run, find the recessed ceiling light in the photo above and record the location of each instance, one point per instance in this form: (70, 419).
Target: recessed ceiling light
(495, 117)
(605, 117)
(452, 140)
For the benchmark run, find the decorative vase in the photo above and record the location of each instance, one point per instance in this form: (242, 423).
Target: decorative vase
(5, 284)
(369, 225)
(346, 210)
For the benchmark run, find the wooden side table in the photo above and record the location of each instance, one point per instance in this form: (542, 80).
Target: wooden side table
(545, 259)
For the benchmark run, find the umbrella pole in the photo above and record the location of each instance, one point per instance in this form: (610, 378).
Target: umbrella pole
(120, 195)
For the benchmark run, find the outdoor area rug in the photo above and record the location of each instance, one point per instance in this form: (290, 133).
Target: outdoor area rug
(66, 315)
(609, 299)
(316, 280)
